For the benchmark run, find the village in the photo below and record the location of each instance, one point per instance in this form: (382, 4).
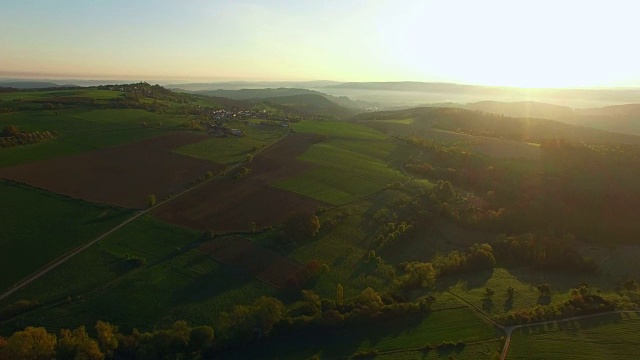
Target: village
(217, 121)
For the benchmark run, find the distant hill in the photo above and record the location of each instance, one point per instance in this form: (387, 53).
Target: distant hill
(28, 84)
(530, 109)
(312, 104)
(500, 126)
(238, 85)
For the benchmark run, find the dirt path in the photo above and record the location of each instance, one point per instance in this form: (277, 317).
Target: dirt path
(509, 329)
(64, 258)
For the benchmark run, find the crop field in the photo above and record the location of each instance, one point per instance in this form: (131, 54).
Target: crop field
(231, 150)
(602, 337)
(472, 287)
(42, 226)
(385, 335)
(53, 94)
(229, 204)
(178, 281)
(335, 155)
(81, 131)
(263, 264)
(477, 351)
(338, 129)
(331, 186)
(121, 175)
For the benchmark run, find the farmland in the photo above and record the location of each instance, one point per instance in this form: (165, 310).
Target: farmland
(387, 335)
(602, 337)
(233, 150)
(229, 204)
(122, 175)
(44, 226)
(408, 260)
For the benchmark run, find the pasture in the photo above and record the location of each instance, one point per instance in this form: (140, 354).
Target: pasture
(338, 129)
(263, 264)
(42, 226)
(603, 337)
(178, 281)
(382, 335)
(82, 130)
(231, 150)
(121, 175)
(331, 186)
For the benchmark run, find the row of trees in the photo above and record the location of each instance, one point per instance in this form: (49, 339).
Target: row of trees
(12, 136)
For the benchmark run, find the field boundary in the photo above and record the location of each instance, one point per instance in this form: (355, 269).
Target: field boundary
(63, 258)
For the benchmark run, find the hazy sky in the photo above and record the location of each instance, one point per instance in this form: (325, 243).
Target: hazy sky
(512, 42)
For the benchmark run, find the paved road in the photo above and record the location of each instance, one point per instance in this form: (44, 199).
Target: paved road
(64, 258)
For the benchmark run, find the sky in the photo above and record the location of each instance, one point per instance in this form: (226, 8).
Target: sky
(525, 43)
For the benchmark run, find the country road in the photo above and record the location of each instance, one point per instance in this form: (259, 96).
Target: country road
(64, 258)
(509, 329)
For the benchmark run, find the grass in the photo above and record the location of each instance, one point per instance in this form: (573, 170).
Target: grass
(82, 130)
(232, 150)
(340, 155)
(603, 337)
(102, 283)
(42, 226)
(478, 351)
(44, 95)
(331, 186)
(337, 129)
(384, 335)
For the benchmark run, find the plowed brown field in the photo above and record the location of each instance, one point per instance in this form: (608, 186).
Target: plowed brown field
(228, 204)
(263, 264)
(122, 175)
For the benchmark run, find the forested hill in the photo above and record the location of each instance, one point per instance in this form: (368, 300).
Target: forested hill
(499, 126)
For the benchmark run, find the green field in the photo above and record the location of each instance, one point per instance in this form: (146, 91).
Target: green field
(82, 130)
(338, 129)
(478, 351)
(43, 96)
(332, 186)
(385, 335)
(42, 226)
(231, 150)
(602, 337)
(178, 282)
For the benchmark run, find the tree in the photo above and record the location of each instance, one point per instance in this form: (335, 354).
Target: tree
(510, 292)
(77, 344)
(268, 311)
(30, 344)
(300, 226)
(544, 289)
(10, 130)
(152, 200)
(107, 337)
(201, 337)
(488, 292)
(339, 295)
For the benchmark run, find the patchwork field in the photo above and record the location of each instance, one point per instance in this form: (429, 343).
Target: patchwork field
(602, 337)
(231, 150)
(82, 130)
(386, 335)
(122, 175)
(263, 264)
(178, 281)
(229, 204)
(40, 226)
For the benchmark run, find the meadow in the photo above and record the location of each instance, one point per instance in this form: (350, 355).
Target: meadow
(82, 130)
(602, 337)
(451, 325)
(44, 226)
(231, 150)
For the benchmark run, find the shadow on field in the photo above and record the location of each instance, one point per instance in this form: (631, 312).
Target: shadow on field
(468, 281)
(212, 284)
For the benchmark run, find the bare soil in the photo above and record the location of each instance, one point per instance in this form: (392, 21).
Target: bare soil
(228, 204)
(122, 175)
(263, 264)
